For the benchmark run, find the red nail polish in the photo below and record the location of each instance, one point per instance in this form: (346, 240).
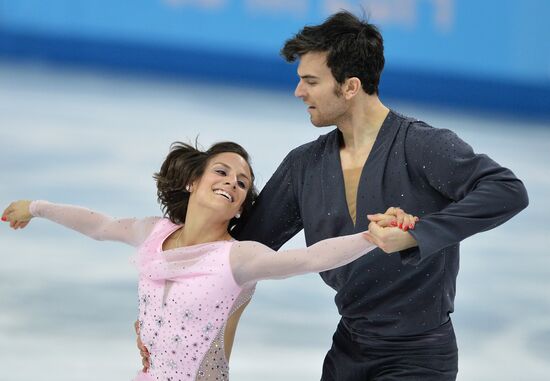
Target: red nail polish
(393, 223)
(4, 219)
(411, 226)
(400, 226)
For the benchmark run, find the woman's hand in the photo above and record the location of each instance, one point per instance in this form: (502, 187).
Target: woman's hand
(17, 214)
(394, 217)
(382, 234)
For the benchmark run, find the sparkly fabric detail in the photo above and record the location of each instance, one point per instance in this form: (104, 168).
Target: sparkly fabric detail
(186, 298)
(214, 366)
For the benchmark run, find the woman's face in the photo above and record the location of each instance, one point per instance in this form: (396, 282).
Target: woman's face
(224, 184)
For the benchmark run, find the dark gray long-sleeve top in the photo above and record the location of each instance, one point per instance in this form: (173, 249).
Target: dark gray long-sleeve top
(426, 171)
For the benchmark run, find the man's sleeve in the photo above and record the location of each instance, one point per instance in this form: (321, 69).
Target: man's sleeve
(275, 217)
(484, 194)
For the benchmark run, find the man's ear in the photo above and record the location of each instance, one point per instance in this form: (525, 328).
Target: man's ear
(351, 87)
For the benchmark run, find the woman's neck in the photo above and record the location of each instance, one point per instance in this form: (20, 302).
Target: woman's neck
(203, 228)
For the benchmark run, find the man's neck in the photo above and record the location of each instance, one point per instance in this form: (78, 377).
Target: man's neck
(361, 125)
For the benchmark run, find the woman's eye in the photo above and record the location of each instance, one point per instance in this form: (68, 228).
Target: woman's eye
(242, 184)
(220, 171)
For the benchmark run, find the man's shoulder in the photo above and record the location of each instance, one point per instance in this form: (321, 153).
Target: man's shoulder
(315, 146)
(418, 131)
(414, 125)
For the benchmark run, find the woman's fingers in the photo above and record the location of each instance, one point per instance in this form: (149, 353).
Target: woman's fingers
(409, 222)
(399, 215)
(17, 214)
(6, 213)
(402, 220)
(394, 217)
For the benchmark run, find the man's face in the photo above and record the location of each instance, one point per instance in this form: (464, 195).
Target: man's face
(320, 91)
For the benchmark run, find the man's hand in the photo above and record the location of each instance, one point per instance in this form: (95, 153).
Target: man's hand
(142, 349)
(389, 239)
(388, 231)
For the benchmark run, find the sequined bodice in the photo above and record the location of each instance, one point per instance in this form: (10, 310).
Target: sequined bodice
(186, 296)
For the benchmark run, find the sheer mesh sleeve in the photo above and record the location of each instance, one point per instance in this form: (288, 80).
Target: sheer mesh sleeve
(252, 261)
(95, 225)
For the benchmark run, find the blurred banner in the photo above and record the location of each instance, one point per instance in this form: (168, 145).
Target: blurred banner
(489, 55)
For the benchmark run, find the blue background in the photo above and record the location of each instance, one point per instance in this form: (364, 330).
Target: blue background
(487, 55)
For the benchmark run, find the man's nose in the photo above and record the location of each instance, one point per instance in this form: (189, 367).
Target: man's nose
(299, 91)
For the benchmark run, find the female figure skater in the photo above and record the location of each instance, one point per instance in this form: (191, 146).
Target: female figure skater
(194, 279)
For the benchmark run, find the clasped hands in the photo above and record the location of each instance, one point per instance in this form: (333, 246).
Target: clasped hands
(388, 231)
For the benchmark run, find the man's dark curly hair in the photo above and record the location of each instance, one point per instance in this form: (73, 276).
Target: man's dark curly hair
(186, 164)
(354, 48)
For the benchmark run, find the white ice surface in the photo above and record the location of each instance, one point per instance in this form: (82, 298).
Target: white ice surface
(68, 303)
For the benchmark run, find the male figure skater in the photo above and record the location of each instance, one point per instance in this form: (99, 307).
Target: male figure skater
(395, 308)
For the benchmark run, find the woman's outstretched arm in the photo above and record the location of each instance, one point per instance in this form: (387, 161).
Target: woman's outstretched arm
(253, 261)
(95, 225)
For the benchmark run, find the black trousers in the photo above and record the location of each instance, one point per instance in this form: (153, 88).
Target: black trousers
(432, 356)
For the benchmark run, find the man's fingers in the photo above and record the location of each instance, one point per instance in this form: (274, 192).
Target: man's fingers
(145, 364)
(374, 233)
(376, 229)
(369, 237)
(383, 220)
(376, 217)
(376, 241)
(145, 360)
(140, 345)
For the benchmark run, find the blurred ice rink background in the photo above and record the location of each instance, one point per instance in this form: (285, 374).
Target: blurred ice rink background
(79, 126)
